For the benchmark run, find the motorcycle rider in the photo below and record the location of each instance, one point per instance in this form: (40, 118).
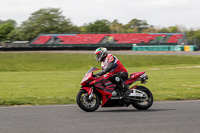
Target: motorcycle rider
(110, 63)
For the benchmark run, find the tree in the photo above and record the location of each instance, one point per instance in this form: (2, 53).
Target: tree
(13, 22)
(197, 35)
(193, 34)
(48, 20)
(150, 29)
(163, 30)
(174, 29)
(98, 26)
(136, 25)
(5, 30)
(116, 27)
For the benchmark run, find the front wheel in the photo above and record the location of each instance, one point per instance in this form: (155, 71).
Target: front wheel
(88, 104)
(144, 103)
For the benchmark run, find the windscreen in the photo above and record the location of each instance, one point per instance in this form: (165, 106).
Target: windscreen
(91, 69)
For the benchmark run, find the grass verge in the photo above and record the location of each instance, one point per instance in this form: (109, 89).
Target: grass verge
(30, 83)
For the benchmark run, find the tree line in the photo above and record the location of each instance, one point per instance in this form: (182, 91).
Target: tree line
(51, 21)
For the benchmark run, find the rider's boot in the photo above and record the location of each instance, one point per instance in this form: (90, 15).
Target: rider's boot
(127, 91)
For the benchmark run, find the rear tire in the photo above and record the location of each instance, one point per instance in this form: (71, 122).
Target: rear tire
(147, 103)
(85, 103)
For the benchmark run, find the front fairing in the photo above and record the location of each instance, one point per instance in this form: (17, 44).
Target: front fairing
(88, 76)
(92, 69)
(102, 84)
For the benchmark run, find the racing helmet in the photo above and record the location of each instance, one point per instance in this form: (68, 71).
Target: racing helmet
(100, 54)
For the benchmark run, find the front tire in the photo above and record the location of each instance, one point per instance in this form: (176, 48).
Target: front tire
(146, 103)
(86, 104)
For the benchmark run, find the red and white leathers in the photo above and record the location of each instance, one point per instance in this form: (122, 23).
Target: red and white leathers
(118, 67)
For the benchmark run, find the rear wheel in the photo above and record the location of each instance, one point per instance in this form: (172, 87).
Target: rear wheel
(146, 102)
(88, 104)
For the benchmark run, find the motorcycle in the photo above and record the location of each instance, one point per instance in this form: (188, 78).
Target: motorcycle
(96, 91)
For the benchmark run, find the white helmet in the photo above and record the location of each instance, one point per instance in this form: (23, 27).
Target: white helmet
(100, 54)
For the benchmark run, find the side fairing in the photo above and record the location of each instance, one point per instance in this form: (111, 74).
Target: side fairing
(105, 85)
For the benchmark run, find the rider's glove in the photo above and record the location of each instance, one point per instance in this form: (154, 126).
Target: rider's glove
(99, 74)
(107, 69)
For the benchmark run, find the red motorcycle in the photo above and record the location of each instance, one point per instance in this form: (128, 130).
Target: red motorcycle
(96, 91)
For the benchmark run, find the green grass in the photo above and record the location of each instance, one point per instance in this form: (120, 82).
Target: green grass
(49, 78)
(38, 88)
(62, 62)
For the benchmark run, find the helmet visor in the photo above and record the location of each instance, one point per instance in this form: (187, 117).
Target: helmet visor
(97, 57)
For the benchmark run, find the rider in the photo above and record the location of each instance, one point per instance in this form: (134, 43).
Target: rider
(111, 64)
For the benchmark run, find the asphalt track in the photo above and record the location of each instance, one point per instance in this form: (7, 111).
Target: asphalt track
(162, 117)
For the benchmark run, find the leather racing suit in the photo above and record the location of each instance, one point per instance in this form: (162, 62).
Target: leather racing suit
(112, 65)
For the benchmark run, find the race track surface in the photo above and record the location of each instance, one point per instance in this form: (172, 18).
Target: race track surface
(162, 117)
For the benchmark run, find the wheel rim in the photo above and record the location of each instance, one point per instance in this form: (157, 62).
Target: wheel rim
(145, 100)
(89, 103)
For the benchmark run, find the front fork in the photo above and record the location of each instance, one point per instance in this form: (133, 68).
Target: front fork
(91, 95)
(89, 90)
